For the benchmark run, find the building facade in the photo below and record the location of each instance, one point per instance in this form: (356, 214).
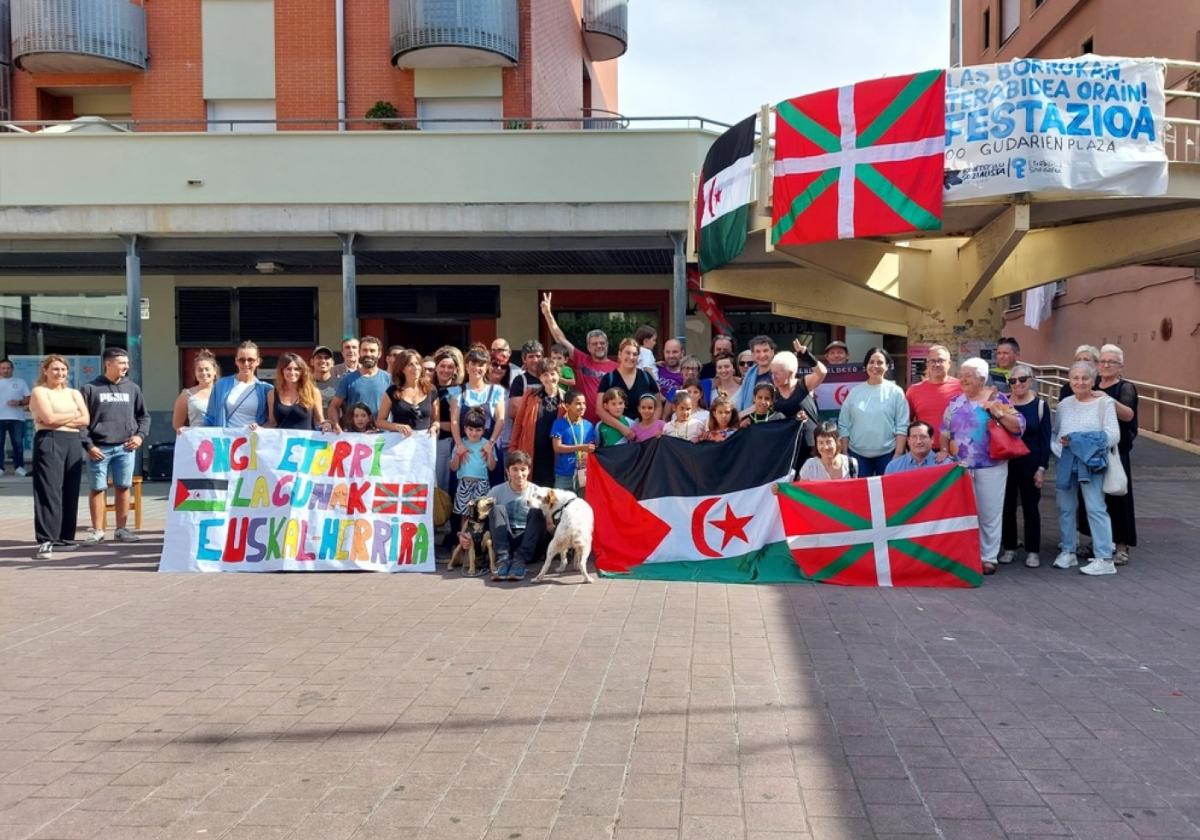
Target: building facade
(1153, 312)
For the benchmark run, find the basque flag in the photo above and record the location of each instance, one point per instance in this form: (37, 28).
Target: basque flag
(861, 160)
(667, 509)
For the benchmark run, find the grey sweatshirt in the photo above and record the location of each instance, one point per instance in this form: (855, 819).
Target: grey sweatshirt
(117, 412)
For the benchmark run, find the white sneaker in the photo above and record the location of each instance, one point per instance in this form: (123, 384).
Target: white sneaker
(125, 535)
(1006, 557)
(94, 535)
(21, 472)
(1032, 560)
(45, 551)
(1065, 560)
(1099, 567)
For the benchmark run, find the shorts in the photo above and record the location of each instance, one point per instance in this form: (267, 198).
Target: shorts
(469, 489)
(118, 460)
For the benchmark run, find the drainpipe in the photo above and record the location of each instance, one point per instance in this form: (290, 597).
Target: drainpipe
(340, 26)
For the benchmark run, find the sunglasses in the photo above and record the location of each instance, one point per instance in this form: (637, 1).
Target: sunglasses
(1020, 379)
(243, 361)
(745, 364)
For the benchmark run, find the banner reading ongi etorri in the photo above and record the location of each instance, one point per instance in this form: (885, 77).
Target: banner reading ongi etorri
(1090, 124)
(272, 500)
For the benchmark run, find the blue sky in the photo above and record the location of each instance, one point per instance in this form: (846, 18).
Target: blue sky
(724, 58)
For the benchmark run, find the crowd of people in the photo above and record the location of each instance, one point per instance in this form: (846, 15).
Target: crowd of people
(505, 428)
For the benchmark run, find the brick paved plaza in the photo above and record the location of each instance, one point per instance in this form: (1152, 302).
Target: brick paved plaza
(140, 705)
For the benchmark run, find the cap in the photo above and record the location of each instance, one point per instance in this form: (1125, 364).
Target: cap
(833, 344)
(321, 348)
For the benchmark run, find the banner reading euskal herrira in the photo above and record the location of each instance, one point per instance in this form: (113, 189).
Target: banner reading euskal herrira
(276, 500)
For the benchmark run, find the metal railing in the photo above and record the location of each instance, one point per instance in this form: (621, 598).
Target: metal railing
(488, 25)
(113, 30)
(610, 18)
(1175, 407)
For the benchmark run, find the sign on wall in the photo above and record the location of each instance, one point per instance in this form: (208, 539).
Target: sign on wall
(1090, 124)
(274, 500)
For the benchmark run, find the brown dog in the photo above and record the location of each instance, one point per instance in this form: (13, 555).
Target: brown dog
(475, 525)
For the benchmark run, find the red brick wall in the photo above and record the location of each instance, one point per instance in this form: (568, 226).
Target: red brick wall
(557, 61)
(305, 62)
(370, 76)
(518, 81)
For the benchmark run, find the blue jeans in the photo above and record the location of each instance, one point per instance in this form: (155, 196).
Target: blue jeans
(868, 467)
(116, 458)
(1097, 516)
(14, 430)
(515, 551)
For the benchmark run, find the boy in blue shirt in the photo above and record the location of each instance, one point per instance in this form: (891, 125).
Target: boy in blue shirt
(573, 437)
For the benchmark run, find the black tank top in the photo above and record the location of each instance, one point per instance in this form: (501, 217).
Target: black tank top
(291, 416)
(419, 417)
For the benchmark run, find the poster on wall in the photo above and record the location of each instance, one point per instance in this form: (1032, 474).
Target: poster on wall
(1087, 124)
(282, 500)
(82, 369)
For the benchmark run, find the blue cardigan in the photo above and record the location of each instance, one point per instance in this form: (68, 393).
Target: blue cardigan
(215, 416)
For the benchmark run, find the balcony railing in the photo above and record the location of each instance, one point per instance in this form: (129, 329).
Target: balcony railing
(606, 28)
(78, 36)
(454, 33)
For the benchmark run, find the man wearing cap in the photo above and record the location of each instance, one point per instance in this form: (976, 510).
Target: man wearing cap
(321, 362)
(836, 353)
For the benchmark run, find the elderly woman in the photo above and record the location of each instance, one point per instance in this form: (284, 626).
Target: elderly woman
(873, 421)
(792, 394)
(1085, 426)
(1083, 353)
(1025, 474)
(965, 435)
(1125, 403)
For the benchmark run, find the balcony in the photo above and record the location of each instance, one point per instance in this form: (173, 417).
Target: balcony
(606, 28)
(454, 33)
(78, 36)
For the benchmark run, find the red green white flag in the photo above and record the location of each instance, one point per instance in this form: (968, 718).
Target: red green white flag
(915, 528)
(861, 160)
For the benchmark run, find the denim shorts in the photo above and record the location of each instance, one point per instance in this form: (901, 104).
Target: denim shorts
(115, 458)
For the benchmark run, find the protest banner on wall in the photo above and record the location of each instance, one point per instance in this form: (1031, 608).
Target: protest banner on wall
(1087, 124)
(274, 500)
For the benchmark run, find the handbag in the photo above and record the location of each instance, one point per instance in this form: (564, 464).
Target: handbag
(1003, 445)
(1116, 483)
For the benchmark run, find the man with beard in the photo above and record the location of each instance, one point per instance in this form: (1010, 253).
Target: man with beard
(721, 344)
(366, 385)
(589, 367)
(670, 376)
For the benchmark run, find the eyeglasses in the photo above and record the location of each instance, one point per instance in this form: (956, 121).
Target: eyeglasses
(937, 362)
(1109, 363)
(245, 361)
(746, 363)
(1021, 379)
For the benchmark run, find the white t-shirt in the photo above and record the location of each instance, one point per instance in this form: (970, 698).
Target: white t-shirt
(647, 363)
(12, 388)
(241, 408)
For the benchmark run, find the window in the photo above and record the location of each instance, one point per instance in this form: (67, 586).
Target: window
(249, 116)
(987, 29)
(279, 315)
(1010, 18)
(480, 114)
(1089, 46)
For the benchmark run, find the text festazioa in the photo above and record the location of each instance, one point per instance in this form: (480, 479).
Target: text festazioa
(310, 456)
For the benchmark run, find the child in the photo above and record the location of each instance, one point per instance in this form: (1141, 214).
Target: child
(362, 420)
(763, 410)
(614, 404)
(573, 437)
(472, 461)
(646, 337)
(558, 358)
(648, 425)
(700, 412)
(720, 420)
(684, 426)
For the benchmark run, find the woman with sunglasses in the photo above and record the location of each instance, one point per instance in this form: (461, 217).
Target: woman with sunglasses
(1025, 474)
(240, 400)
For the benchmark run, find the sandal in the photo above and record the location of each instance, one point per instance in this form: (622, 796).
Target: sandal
(1121, 558)
(989, 568)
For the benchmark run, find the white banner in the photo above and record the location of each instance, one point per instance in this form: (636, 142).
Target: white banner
(273, 499)
(1087, 124)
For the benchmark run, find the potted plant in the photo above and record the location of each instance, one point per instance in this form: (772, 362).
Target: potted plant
(382, 110)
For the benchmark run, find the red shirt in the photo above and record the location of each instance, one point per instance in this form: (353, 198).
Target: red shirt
(927, 402)
(588, 373)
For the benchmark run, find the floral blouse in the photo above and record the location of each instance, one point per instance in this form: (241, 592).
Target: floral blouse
(967, 425)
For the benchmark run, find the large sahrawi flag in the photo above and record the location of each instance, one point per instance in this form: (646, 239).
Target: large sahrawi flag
(725, 186)
(861, 160)
(916, 528)
(672, 510)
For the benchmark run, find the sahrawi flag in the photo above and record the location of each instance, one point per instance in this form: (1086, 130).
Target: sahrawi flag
(725, 187)
(861, 160)
(672, 510)
(915, 528)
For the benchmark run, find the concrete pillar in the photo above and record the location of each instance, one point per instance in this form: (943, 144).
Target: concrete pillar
(349, 287)
(133, 307)
(679, 290)
(943, 322)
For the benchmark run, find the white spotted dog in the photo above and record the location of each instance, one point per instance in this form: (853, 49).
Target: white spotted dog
(570, 521)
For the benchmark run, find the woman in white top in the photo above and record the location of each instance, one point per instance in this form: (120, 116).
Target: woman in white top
(1085, 411)
(192, 403)
(873, 421)
(829, 464)
(59, 412)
